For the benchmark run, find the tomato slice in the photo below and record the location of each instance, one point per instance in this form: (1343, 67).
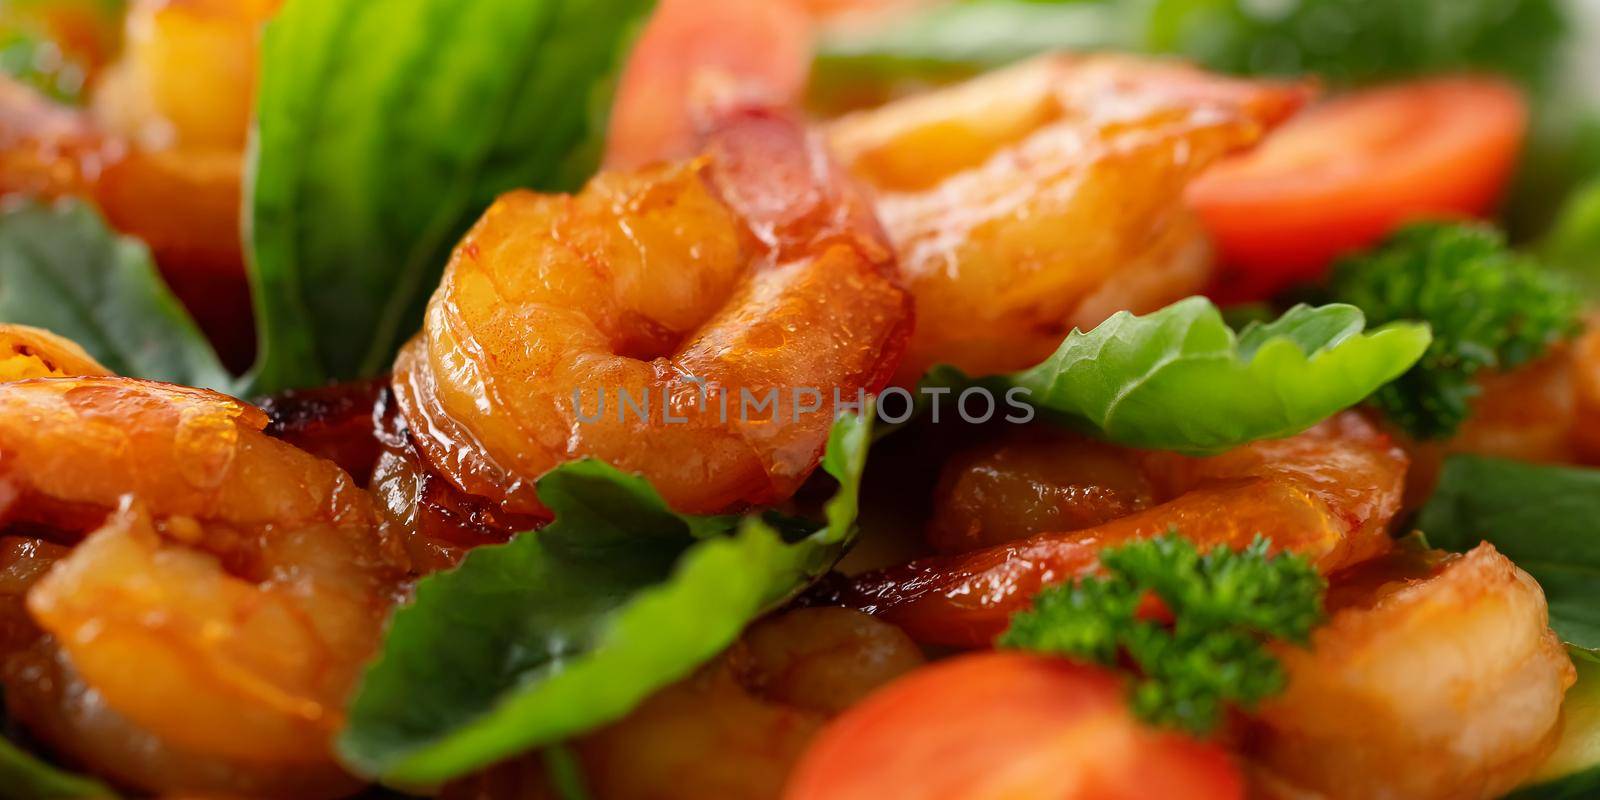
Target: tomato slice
(1007, 725)
(1343, 174)
(689, 52)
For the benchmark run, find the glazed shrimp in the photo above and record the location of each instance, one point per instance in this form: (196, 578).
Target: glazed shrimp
(204, 635)
(1327, 494)
(160, 149)
(1435, 677)
(1017, 199)
(732, 300)
(29, 352)
(1545, 411)
(735, 728)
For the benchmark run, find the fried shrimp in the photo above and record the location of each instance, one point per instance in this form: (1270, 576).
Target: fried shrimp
(1327, 494)
(160, 149)
(695, 322)
(28, 352)
(735, 728)
(222, 592)
(1016, 198)
(1439, 679)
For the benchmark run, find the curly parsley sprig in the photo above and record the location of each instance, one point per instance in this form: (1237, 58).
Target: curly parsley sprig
(1209, 648)
(1489, 308)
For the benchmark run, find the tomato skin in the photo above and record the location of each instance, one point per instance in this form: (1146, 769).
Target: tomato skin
(1345, 173)
(1007, 725)
(690, 53)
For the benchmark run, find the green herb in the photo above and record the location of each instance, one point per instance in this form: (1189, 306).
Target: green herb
(63, 269)
(384, 130)
(1226, 605)
(1544, 518)
(1181, 379)
(570, 626)
(1488, 307)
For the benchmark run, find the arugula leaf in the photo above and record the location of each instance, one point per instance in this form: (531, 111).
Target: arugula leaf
(1422, 272)
(383, 130)
(63, 269)
(1180, 379)
(569, 627)
(1544, 518)
(1225, 606)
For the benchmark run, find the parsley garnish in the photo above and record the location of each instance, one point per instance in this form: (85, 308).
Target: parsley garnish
(1207, 645)
(1489, 308)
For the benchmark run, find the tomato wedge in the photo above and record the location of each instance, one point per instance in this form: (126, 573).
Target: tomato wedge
(1343, 174)
(1007, 725)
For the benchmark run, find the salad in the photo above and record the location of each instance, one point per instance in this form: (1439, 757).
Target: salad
(801, 399)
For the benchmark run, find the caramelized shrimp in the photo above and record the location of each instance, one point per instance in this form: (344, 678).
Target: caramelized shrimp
(203, 637)
(1544, 411)
(1439, 679)
(1042, 197)
(29, 352)
(160, 149)
(695, 322)
(1328, 494)
(735, 728)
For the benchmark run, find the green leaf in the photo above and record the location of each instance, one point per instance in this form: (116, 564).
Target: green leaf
(1544, 518)
(1572, 772)
(1344, 42)
(23, 777)
(974, 34)
(1180, 379)
(1573, 243)
(384, 129)
(63, 269)
(569, 627)
(1348, 42)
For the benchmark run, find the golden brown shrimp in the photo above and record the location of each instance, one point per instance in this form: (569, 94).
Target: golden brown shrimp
(1327, 494)
(160, 150)
(1436, 678)
(204, 636)
(29, 352)
(1018, 200)
(728, 299)
(735, 728)
(1545, 411)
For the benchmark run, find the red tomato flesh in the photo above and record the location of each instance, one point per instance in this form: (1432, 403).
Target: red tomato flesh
(1345, 173)
(1007, 725)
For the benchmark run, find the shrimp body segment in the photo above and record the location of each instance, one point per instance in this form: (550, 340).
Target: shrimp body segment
(1015, 198)
(221, 593)
(695, 322)
(1443, 683)
(1327, 494)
